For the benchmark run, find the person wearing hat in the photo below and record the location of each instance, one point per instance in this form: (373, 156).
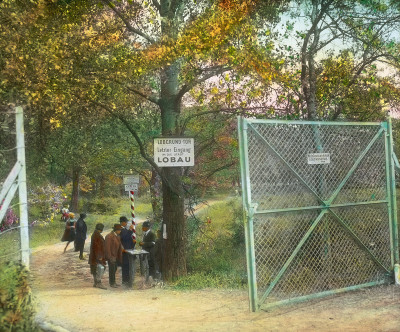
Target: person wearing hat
(113, 252)
(69, 231)
(128, 260)
(148, 243)
(80, 234)
(97, 258)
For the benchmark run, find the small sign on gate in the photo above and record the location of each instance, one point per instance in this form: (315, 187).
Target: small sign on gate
(318, 158)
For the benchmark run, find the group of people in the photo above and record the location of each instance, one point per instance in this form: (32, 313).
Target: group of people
(75, 231)
(115, 249)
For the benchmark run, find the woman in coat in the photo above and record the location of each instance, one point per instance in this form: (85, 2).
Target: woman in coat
(69, 232)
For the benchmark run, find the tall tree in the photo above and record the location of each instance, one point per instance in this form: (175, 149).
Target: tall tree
(358, 38)
(181, 44)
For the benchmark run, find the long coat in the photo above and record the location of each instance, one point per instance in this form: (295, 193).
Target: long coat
(113, 248)
(149, 241)
(69, 232)
(127, 243)
(97, 255)
(80, 233)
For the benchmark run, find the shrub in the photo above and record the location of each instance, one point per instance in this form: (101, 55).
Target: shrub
(44, 203)
(107, 205)
(16, 306)
(10, 220)
(216, 247)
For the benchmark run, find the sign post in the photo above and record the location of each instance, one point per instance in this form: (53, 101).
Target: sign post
(131, 183)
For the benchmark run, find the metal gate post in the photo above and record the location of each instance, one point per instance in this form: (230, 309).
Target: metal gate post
(23, 201)
(248, 215)
(392, 198)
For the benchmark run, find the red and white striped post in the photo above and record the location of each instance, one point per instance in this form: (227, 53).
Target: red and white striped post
(132, 198)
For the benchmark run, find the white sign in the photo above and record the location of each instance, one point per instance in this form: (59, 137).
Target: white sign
(131, 179)
(131, 187)
(318, 158)
(175, 152)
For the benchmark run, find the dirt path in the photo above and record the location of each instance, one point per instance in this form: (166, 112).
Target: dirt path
(62, 286)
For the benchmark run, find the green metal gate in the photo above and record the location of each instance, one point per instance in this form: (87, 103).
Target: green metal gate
(320, 208)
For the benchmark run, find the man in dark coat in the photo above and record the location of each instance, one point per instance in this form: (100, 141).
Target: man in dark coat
(80, 234)
(148, 243)
(128, 260)
(113, 252)
(97, 258)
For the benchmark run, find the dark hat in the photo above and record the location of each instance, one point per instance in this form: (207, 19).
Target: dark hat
(99, 226)
(123, 219)
(117, 227)
(82, 215)
(146, 224)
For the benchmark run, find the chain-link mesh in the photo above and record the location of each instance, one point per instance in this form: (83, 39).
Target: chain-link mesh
(337, 211)
(10, 245)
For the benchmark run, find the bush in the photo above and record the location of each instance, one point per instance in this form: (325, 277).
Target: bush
(216, 247)
(107, 205)
(44, 203)
(16, 306)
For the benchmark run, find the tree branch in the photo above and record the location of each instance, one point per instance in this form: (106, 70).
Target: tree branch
(132, 131)
(143, 95)
(187, 87)
(130, 28)
(157, 5)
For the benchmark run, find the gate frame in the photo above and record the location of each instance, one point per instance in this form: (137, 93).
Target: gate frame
(250, 209)
(10, 187)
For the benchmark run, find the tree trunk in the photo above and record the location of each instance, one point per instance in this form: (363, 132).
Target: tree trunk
(102, 186)
(174, 260)
(75, 189)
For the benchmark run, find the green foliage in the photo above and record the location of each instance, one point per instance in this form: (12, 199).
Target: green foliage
(105, 205)
(201, 280)
(216, 248)
(16, 305)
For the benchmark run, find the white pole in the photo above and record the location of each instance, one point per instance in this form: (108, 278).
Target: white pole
(23, 199)
(132, 199)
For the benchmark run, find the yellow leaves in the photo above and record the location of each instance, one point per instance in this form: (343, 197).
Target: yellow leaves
(89, 31)
(55, 123)
(209, 33)
(215, 32)
(214, 90)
